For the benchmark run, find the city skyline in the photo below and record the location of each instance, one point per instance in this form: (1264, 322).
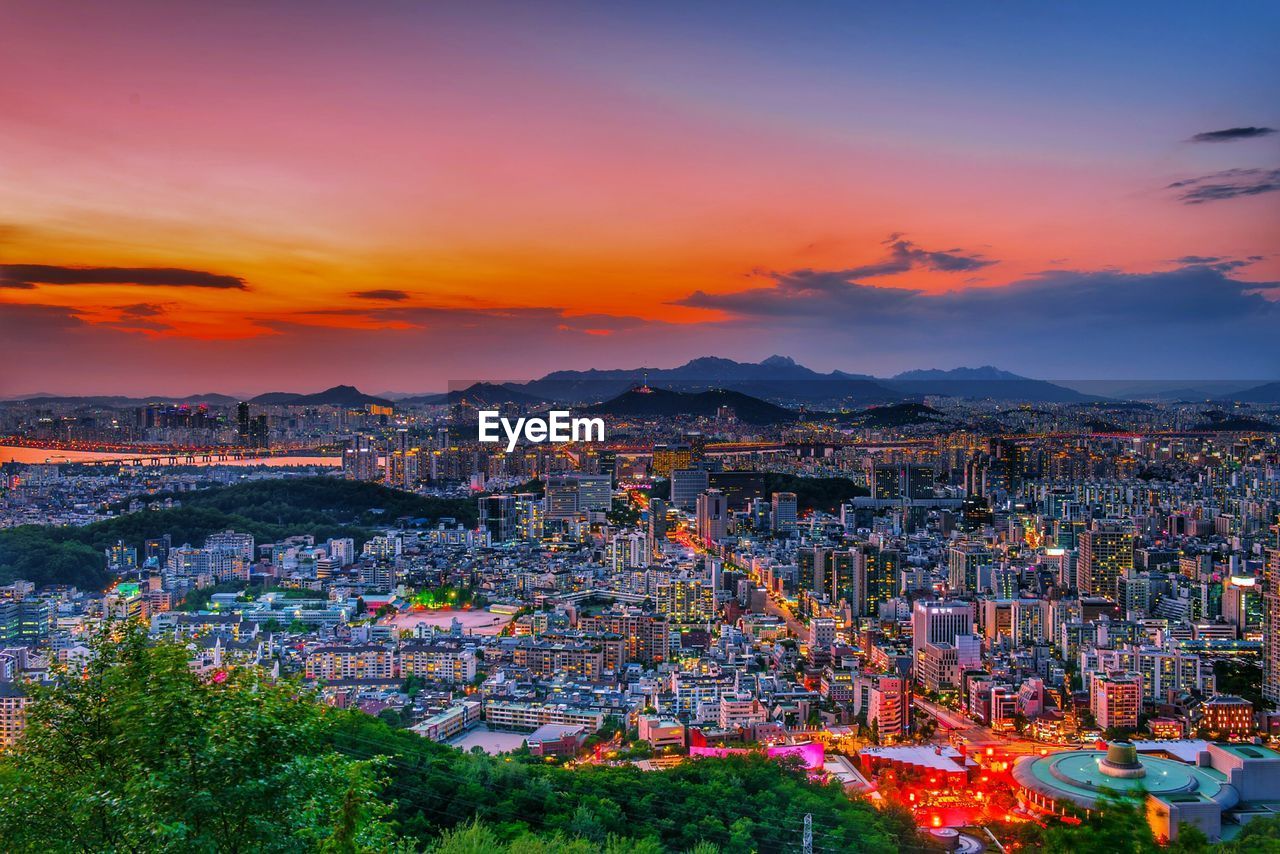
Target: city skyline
(278, 196)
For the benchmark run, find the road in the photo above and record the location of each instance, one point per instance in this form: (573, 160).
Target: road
(962, 725)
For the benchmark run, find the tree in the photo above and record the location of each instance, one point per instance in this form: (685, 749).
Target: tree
(1118, 825)
(139, 753)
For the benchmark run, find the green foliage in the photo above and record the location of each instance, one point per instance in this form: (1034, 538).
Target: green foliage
(1242, 679)
(1259, 836)
(814, 493)
(476, 838)
(1119, 826)
(141, 754)
(741, 803)
(269, 509)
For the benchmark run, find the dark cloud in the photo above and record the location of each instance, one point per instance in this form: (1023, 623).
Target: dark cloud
(904, 256)
(27, 276)
(1064, 323)
(1228, 184)
(1232, 134)
(386, 294)
(142, 309)
(799, 292)
(1217, 262)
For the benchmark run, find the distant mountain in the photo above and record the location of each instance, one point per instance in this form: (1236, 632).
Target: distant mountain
(1266, 393)
(478, 395)
(339, 395)
(115, 400)
(665, 403)
(897, 415)
(1160, 390)
(1220, 422)
(778, 379)
(985, 383)
(986, 372)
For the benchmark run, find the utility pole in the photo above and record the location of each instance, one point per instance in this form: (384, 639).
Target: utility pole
(808, 833)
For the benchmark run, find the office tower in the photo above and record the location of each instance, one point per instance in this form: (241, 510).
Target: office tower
(657, 525)
(898, 481)
(1116, 699)
(1271, 627)
(571, 494)
(877, 577)
(243, 424)
(360, 459)
(1106, 555)
(811, 569)
(530, 510)
(969, 565)
(713, 517)
(784, 512)
(686, 486)
(668, 458)
(498, 516)
(562, 497)
(595, 491)
(939, 622)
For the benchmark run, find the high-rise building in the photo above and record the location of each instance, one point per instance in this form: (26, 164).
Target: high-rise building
(970, 566)
(686, 600)
(530, 510)
(243, 424)
(1115, 698)
(657, 525)
(686, 486)
(499, 516)
(713, 517)
(1271, 628)
(784, 510)
(939, 622)
(360, 459)
(562, 497)
(571, 494)
(668, 458)
(1106, 555)
(898, 481)
(877, 577)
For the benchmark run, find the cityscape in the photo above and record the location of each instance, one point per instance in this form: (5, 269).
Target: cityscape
(990, 615)
(698, 428)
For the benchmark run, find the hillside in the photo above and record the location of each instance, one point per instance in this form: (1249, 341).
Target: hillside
(814, 493)
(985, 383)
(339, 395)
(268, 509)
(897, 415)
(665, 403)
(1265, 393)
(477, 395)
(778, 379)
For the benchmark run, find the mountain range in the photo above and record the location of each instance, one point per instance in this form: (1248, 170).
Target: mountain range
(663, 403)
(778, 379)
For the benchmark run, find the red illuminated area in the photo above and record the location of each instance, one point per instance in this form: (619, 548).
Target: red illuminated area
(946, 787)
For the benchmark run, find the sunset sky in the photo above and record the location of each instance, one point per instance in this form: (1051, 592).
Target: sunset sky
(248, 196)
